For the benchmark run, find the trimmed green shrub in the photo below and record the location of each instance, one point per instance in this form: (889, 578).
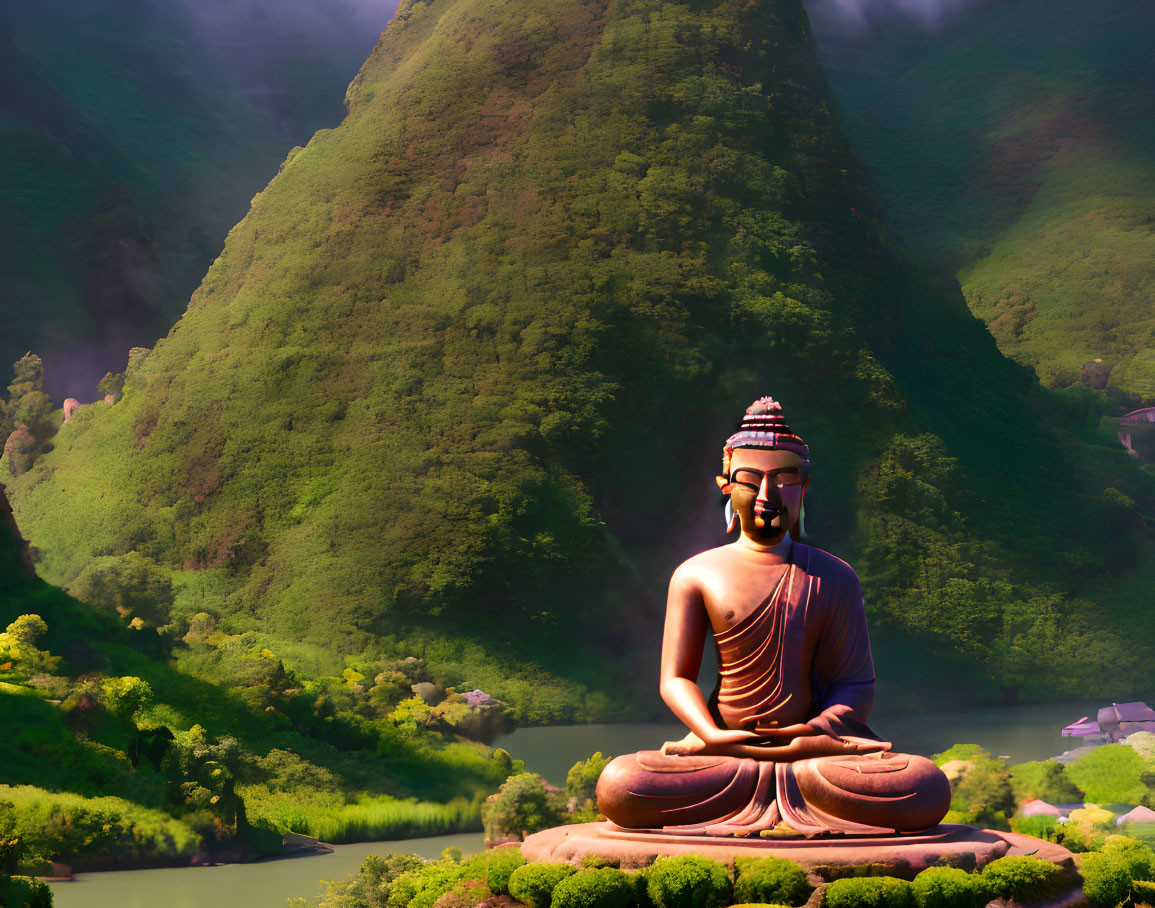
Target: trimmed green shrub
(869, 892)
(533, 884)
(1023, 878)
(1138, 856)
(1108, 874)
(688, 882)
(601, 888)
(1106, 880)
(500, 863)
(948, 887)
(770, 880)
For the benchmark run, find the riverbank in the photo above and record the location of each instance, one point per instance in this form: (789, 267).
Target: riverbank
(1022, 732)
(267, 883)
(293, 846)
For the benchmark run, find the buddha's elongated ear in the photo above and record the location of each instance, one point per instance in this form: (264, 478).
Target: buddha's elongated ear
(731, 517)
(798, 531)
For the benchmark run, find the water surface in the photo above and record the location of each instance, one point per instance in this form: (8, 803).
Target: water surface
(1021, 732)
(266, 884)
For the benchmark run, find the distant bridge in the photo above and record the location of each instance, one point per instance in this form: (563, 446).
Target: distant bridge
(1138, 417)
(1138, 426)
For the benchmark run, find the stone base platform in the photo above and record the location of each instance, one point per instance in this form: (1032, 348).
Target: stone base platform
(904, 855)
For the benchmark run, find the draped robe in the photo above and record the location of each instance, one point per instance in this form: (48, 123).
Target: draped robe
(802, 655)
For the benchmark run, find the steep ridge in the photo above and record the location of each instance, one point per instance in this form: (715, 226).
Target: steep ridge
(1017, 143)
(459, 379)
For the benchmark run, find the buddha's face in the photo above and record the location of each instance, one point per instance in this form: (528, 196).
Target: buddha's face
(766, 489)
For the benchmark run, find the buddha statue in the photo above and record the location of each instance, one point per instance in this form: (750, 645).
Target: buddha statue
(782, 748)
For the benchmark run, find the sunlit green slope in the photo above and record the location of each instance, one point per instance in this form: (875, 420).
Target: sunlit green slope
(126, 749)
(458, 383)
(1017, 143)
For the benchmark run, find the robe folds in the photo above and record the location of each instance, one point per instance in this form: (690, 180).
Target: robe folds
(802, 655)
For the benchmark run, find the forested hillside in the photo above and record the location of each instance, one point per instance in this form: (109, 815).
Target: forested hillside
(456, 387)
(1016, 143)
(122, 748)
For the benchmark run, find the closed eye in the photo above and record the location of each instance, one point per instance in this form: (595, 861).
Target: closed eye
(752, 479)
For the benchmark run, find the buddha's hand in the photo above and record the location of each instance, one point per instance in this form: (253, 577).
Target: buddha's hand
(819, 745)
(714, 742)
(775, 734)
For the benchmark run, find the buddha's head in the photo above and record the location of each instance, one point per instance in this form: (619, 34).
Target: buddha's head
(765, 471)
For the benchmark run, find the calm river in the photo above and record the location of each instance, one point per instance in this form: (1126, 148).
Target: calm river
(1028, 732)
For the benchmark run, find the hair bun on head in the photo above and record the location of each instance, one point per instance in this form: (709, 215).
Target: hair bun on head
(764, 426)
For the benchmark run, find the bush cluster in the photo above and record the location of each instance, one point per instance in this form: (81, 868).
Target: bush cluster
(222, 768)
(949, 887)
(1022, 878)
(1124, 867)
(687, 882)
(602, 887)
(770, 880)
(533, 884)
(869, 892)
(1108, 874)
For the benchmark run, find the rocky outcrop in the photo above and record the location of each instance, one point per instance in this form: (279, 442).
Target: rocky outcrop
(20, 449)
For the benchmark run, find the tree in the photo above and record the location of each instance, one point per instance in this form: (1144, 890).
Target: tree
(130, 585)
(111, 386)
(125, 697)
(523, 805)
(29, 408)
(582, 781)
(18, 646)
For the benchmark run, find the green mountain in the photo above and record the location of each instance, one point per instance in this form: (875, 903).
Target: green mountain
(1017, 144)
(456, 388)
(133, 136)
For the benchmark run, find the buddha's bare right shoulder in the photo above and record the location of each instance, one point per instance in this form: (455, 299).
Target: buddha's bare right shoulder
(692, 570)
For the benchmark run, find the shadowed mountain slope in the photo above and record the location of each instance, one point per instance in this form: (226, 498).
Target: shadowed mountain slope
(134, 132)
(1017, 144)
(460, 378)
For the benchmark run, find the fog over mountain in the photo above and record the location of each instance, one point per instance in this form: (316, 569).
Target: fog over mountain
(134, 134)
(857, 14)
